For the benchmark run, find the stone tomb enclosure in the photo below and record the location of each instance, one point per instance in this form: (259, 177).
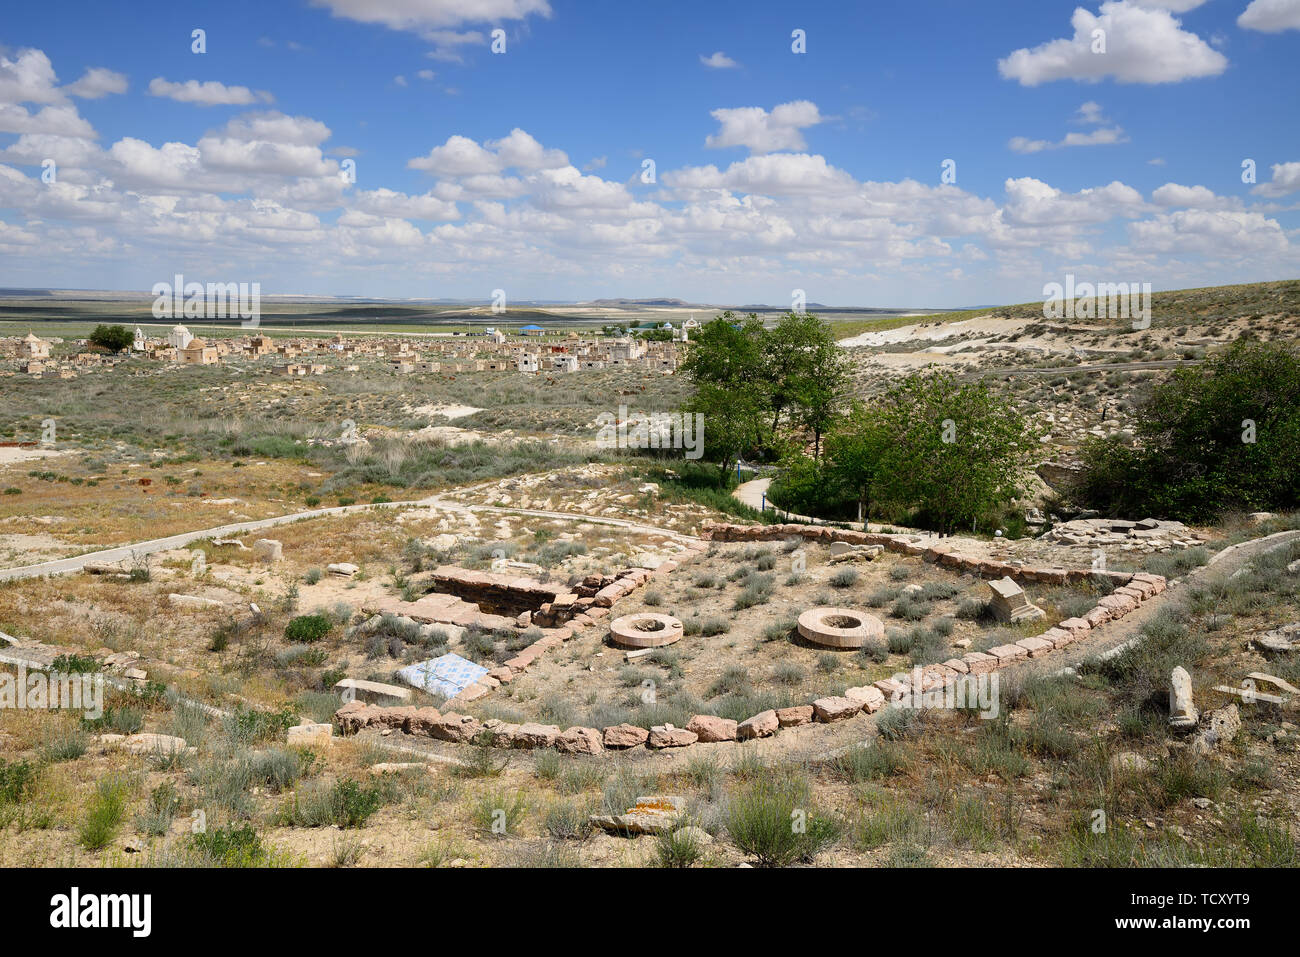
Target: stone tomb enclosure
(740, 650)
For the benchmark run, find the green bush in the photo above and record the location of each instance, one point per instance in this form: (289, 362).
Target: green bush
(1219, 437)
(229, 846)
(346, 803)
(771, 821)
(104, 815)
(678, 848)
(249, 726)
(932, 451)
(16, 780)
(308, 628)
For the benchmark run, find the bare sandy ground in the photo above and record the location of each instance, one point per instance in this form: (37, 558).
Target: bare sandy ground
(11, 455)
(446, 411)
(934, 331)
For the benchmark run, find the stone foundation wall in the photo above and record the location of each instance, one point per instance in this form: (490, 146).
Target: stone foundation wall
(941, 553)
(561, 613)
(451, 726)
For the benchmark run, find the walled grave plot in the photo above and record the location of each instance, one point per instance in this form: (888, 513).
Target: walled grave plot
(510, 595)
(741, 651)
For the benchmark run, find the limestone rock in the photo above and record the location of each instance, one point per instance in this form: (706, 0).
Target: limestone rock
(835, 708)
(1129, 761)
(654, 814)
(193, 602)
(1009, 603)
(579, 741)
(1222, 726)
(310, 736)
(697, 834)
(372, 692)
(666, 736)
(454, 727)
(872, 699)
(421, 721)
(153, 744)
(795, 716)
(1182, 712)
(761, 725)
(625, 736)
(1285, 639)
(709, 728)
(267, 550)
(532, 735)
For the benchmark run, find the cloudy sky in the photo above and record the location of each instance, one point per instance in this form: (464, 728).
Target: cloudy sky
(919, 153)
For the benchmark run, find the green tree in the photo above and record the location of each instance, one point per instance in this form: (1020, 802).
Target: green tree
(854, 451)
(793, 374)
(955, 452)
(805, 372)
(732, 420)
(725, 364)
(727, 351)
(112, 338)
(1223, 436)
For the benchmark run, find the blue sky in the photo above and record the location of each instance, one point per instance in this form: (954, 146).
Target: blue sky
(775, 170)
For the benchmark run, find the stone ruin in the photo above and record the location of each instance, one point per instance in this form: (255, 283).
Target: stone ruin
(1146, 535)
(839, 627)
(596, 594)
(493, 600)
(645, 630)
(1009, 603)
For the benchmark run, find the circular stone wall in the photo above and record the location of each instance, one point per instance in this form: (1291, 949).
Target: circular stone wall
(645, 630)
(839, 627)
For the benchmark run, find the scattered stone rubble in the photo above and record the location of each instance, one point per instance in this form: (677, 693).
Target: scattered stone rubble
(1147, 535)
(941, 553)
(1285, 639)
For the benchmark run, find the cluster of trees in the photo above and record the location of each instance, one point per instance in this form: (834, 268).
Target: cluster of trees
(931, 451)
(1224, 436)
(757, 388)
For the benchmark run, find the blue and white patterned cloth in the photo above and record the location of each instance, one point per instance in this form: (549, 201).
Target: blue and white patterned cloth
(447, 675)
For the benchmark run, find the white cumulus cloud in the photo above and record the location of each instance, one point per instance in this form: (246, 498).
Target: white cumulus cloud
(718, 61)
(1286, 179)
(206, 93)
(1271, 16)
(1142, 45)
(763, 132)
(97, 82)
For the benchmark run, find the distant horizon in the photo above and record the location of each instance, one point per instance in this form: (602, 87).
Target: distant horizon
(53, 292)
(666, 302)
